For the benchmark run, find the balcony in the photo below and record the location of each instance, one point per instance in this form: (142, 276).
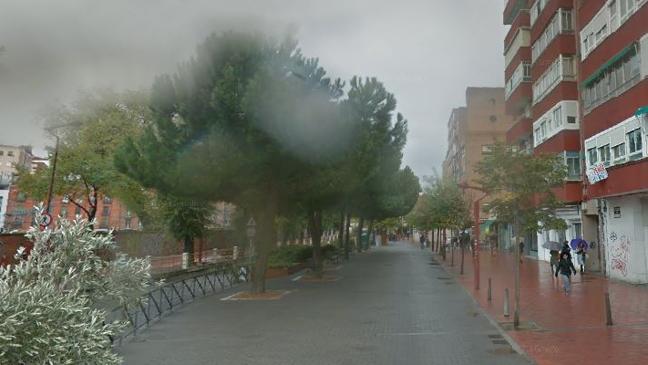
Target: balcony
(512, 10)
(562, 69)
(522, 39)
(563, 116)
(521, 74)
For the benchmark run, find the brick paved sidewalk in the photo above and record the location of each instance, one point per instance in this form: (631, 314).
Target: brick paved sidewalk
(571, 328)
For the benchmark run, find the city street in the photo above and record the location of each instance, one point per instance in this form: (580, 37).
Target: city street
(391, 305)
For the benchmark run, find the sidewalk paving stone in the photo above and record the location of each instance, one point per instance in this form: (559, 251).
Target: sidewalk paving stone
(571, 328)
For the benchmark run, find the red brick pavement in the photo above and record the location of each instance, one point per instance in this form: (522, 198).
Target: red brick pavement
(571, 328)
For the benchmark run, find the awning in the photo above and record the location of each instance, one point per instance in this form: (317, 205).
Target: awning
(601, 70)
(485, 226)
(641, 111)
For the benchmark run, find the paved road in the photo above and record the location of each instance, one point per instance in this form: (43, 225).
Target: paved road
(393, 305)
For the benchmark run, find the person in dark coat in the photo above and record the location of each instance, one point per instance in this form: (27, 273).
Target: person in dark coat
(566, 250)
(565, 269)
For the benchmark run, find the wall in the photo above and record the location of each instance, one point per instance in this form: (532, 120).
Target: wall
(4, 198)
(9, 244)
(627, 238)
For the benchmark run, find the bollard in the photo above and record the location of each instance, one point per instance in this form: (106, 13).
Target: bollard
(235, 253)
(185, 260)
(490, 296)
(506, 303)
(608, 309)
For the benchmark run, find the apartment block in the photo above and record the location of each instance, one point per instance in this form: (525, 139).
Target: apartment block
(613, 60)
(542, 96)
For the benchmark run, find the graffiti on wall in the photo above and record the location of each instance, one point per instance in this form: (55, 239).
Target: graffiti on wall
(619, 252)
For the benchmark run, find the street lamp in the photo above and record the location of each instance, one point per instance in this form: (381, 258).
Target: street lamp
(476, 211)
(51, 130)
(251, 232)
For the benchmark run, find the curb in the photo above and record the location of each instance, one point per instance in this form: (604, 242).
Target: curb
(514, 345)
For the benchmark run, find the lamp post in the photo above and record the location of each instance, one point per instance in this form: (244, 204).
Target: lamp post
(476, 211)
(251, 232)
(51, 130)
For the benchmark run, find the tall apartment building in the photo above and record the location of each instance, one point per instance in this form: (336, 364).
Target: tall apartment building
(613, 45)
(576, 77)
(472, 130)
(542, 94)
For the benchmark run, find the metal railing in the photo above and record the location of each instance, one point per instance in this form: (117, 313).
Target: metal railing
(163, 299)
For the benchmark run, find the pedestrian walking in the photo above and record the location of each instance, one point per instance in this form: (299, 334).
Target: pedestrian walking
(521, 250)
(566, 250)
(565, 269)
(581, 255)
(553, 260)
(422, 240)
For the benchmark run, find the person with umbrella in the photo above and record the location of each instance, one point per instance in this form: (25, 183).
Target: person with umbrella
(581, 252)
(565, 269)
(554, 254)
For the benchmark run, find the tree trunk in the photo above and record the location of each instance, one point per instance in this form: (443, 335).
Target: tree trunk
(359, 236)
(370, 232)
(452, 251)
(315, 229)
(341, 230)
(516, 245)
(266, 238)
(346, 236)
(461, 243)
(442, 243)
(189, 248)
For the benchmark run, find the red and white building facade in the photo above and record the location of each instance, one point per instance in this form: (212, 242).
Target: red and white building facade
(542, 92)
(613, 45)
(577, 81)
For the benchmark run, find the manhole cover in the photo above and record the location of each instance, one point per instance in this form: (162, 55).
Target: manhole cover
(524, 326)
(434, 263)
(502, 351)
(494, 336)
(500, 342)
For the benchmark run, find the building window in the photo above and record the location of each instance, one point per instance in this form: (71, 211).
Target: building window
(591, 156)
(571, 120)
(64, 212)
(10, 153)
(557, 117)
(573, 165)
(77, 211)
(1, 153)
(619, 152)
(106, 211)
(21, 197)
(614, 80)
(635, 144)
(604, 154)
(107, 200)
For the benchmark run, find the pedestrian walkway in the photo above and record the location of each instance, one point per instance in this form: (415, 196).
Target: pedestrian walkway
(391, 305)
(571, 329)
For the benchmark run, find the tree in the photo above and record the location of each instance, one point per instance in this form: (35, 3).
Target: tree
(186, 220)
(236, 124)
(89, 134)
(522, 186)
(52, 301)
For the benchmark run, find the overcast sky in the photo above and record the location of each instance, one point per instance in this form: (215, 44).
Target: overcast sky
(425, 51)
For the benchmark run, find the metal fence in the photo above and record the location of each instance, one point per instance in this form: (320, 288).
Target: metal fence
(163, 299)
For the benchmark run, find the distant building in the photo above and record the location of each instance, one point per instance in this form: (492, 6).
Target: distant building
(111, 213)
(12, 157)
(472, 130)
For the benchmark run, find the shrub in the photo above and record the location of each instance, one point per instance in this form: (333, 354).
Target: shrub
(53, 302)
(287, 256)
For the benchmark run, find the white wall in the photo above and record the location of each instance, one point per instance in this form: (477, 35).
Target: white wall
(627, 238)
(570, 215)
(4, 197)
